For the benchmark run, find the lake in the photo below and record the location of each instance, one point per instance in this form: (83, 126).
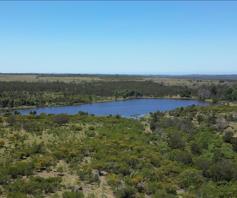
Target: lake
(125, 108)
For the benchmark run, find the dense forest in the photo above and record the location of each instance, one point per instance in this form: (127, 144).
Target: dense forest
(15, 94)
(188, 152)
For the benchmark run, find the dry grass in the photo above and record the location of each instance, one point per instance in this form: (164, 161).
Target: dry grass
(36, 78)
(92, 78)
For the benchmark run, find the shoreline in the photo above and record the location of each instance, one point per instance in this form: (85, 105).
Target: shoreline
(111, 99)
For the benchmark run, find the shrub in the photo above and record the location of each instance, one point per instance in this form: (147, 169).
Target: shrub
(117, 116)
(162, 193)
(2, 143)
(61, 119)
(126, 192)
(234, 143)
(44, 162)
(92, 128)
(11, 120)
(48, 185)
(19, 186)
(87, 174)
(182, 156)
(91, 133)
(228, 136)
(200, 118)
(221, 124)
(4, 176)
(81, 113)
(191, 178)
(151, 187)
(73, 195)
(16, 195)
(209, 190)
(76, 128)
(176, 141)
(223, 170)
(203, 164)
(113, 180)
(196, 149)
(35, 185)
(32, 126)
(21, 169)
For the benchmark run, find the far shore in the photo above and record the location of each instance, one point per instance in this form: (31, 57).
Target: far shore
(109, 99)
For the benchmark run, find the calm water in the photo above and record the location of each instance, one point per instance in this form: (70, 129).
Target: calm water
(127, 108)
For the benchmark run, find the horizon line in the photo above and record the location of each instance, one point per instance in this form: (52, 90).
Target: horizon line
(120, 74)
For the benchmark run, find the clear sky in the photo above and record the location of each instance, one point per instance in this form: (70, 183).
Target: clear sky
(119, 37)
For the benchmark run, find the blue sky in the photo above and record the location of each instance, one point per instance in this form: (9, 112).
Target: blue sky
(119, 37)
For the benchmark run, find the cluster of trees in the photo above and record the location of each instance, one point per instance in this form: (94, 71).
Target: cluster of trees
(231, 93)
(14, 94)
(13, 99)
(201, 140)
(99, 88)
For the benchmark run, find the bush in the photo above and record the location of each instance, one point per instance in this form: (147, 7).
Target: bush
(209, 190)
(11, 120)
(73, 195)
(4, 176)
(191, 178)
(126, 192)
(113, 180)
(76, 128)
(21, 169)
(234, 143)
(16, 195)
(228, 136)
(151, 187)
(61, 119)
(32, 126)
(196, 149)
(91, 128)
(176, 141)
(91, 133)
(182, 156)
(160, 193)
(87, 174)
(44, 162)
(203, 163)
(35, 185)
(223, 170)
(2, 143)
(82, 113)
(221, 124)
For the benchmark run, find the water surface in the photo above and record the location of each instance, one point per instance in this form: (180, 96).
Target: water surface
(126, 108)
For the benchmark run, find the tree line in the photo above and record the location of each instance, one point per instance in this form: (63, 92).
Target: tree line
(14, 94)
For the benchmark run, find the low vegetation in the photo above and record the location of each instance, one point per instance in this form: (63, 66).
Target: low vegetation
(188, 152)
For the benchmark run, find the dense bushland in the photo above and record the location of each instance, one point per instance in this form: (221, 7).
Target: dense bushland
(188, 152)
(15, 94)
